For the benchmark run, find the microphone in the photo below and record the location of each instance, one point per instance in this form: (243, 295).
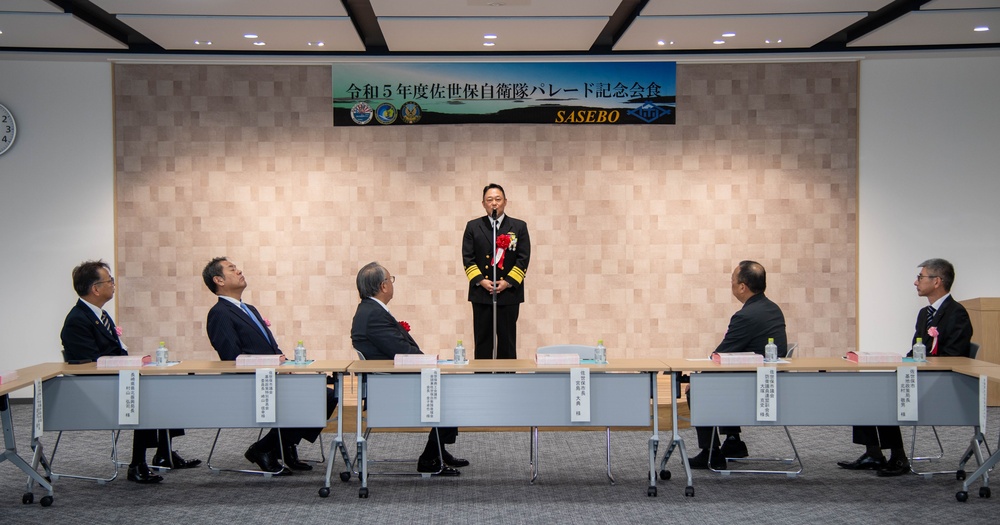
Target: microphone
(494, 213)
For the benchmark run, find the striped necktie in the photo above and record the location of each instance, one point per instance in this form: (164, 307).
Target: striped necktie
(930, 315)
(106, 321)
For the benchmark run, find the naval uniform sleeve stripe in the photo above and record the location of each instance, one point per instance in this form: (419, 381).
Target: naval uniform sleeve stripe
(517, 274)
(472, 272)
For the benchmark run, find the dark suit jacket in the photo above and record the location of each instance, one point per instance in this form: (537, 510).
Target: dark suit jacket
(954, 329)
(752, 325)
(377, 335)
(84, 338)
(233, 333)
(478, 251)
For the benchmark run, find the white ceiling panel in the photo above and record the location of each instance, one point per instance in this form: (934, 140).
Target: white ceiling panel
(513, 34)
(752, 31)
(226, 33)
(757, 7)
(30, 6)
(936, 28)
(488, 8)
(224, 7)
(961, 4)
(52, 30)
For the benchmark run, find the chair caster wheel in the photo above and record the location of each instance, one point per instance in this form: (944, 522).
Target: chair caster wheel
(46, 501)
(345, 476)
(689, 492)
(28, 498)
(984, 492)
(960, 475)
(363, 492)
(324, 492)
(664, 475)
(651, 492)
(962, 496)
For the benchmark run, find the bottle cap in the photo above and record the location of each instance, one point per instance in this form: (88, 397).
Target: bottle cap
(600, 341)
(300, 342)
(162, 343)
(920, 340)
(459, 341)
(770, 340)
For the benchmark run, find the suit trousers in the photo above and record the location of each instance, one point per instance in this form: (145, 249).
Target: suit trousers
(482, 323)
(292, 436)
(881, 437)
(707, 437)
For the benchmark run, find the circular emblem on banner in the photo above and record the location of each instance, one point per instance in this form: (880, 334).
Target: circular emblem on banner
(410, 112)
(362, 113)
(386, 113)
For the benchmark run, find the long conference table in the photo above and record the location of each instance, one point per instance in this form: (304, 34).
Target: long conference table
(519, 393)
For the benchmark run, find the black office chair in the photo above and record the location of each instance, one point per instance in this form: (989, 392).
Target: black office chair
(971, 451)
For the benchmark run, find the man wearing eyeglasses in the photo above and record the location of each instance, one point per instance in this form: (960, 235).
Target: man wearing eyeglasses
(377, 335)
(235, 328)
(944, 327)
(89, 333)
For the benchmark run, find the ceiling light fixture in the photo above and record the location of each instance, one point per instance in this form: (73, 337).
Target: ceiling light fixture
(489, 44)
(258, 43)
(490, 36)
(317, 44)
(719, 42)
(202, 42)
(249, 35)
(982, 28)
(728, 35)
(661, 43)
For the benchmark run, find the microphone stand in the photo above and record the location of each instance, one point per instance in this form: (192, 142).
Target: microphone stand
(494, 222)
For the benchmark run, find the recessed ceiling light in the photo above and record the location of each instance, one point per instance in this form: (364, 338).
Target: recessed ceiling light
(661, 43)
(317, 44)
(249, 35)
(767, 41)
(489, 44)
(728, 35)
(719, 42)
(258, 43)
(202, 42)
(490, 37)
(982, 28)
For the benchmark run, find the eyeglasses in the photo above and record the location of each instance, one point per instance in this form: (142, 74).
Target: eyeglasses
(919, 277)
(111, 280)
(391, 279)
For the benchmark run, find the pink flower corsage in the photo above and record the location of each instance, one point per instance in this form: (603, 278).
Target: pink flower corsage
(266, 322)
(118, 330)
(405, 325)
(932, 331)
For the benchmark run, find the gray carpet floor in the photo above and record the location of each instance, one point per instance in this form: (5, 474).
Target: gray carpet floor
(572, 488)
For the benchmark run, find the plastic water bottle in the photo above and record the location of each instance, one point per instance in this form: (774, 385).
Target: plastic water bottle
(459, 358)
(300, 353)
(161, 354)
(919, 351)
(770, 351)
(601, 353)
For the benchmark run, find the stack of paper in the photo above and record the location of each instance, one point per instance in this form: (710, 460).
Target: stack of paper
(415, 360)
(7, 376)
(557, 359)
(874, 357)
(738, 358)
(122, 361)
(260, 360)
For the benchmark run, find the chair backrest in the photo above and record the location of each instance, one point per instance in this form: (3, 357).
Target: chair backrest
(584, 351)
(973, 350)
(361, 357)
(791, 349)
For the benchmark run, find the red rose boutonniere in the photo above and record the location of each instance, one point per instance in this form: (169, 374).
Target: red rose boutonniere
(405, 325)
(118, 330)
(507, 241)
(933, 332)
(267, 323)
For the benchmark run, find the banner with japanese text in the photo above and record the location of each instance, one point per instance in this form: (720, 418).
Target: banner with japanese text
(417, 93)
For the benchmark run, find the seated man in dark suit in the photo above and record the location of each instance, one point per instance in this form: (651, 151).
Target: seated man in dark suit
(749, 329)
(377, 335)
(944, 327)
(89, 333)
(235, 328)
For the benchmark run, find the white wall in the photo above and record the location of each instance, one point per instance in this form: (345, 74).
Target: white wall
(930, 182)
(56, 199)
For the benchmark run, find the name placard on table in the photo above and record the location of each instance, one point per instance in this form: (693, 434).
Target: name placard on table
(128, 397)
(906, 393)
(430, 395)
(767, 393)
(265, 401)
(579, 394)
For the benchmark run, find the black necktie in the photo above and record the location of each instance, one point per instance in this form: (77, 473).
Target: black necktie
(930, 315)
(106, 321)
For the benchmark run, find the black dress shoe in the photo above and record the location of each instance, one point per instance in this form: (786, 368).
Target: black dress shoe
(734, 448)
(700, 461)
(292, 459)
(174, 462)
(895, 467)
(266, 461)
(452, 461)
(865, 462)
(140, 474)
(433, 466)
